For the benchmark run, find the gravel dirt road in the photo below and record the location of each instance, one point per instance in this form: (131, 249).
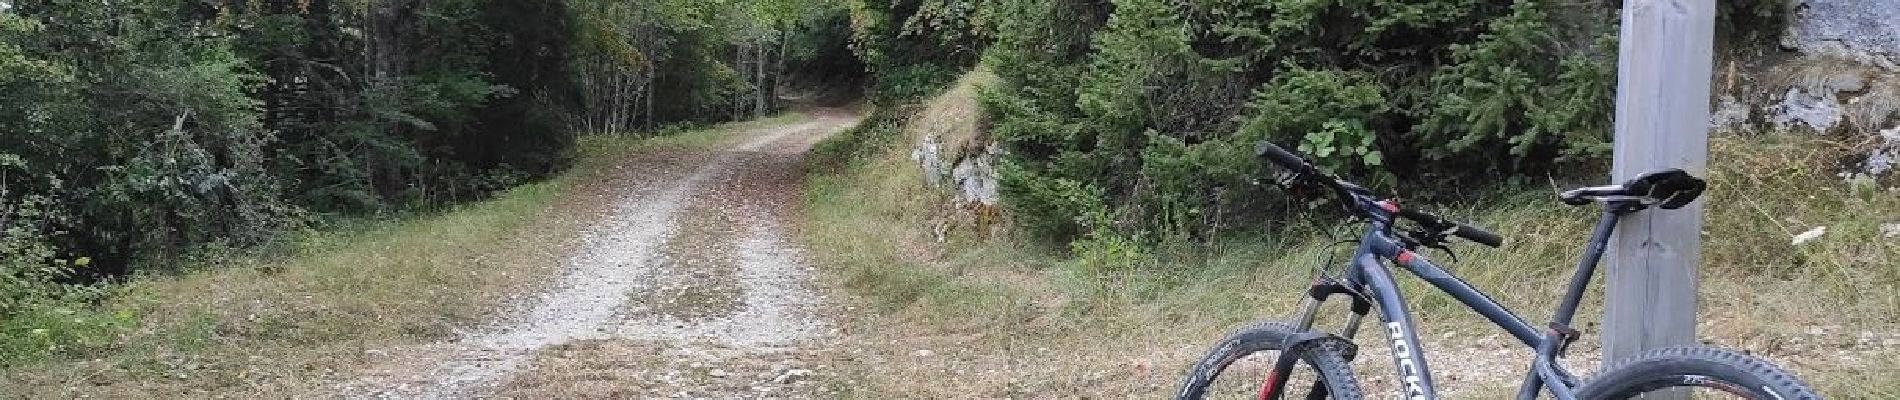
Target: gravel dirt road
(690, 286)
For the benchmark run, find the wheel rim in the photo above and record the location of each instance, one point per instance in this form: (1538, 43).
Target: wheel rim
(1247, 377)
(1700, 387)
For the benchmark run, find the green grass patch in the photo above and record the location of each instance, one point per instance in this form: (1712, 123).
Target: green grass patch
(406, 280)
(877, 268)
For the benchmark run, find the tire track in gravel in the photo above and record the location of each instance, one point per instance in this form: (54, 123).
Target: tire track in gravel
(689, 280)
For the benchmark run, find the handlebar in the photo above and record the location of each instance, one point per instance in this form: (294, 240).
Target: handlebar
(1468, 232)
(1354, 194)
(1286, 159)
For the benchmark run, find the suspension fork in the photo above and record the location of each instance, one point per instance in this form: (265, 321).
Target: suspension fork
(1304, 336)
(1324, 288)
(1318, 294)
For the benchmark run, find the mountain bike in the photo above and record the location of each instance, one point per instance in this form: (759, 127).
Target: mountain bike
(1395, 234)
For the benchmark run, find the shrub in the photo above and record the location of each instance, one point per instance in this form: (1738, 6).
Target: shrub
(916, 47)
(40, 309)
(1519, 95)
(1158, 109)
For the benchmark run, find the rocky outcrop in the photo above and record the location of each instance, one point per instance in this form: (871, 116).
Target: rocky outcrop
(1815, 111)
(975, 175)
(1886, 156)
(951, 148)
(1838, 73)
(1846, 75)
(1866, 31)
(955, 154)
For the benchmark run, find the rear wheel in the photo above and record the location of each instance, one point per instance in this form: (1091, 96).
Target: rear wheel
(1238, 366)
(1702, 372)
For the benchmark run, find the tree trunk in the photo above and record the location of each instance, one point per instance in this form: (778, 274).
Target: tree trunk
(653, 80)
(778, 68)
(738, 62)
(758, 106)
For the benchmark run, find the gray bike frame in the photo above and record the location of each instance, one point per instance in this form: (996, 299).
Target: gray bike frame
(1368, 277)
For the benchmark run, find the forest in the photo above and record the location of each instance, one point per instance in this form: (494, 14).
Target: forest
(144, 136)
(608, 198)
(140, 135)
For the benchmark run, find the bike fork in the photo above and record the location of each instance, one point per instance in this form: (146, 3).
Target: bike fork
(1309, 308)
(1274, 382)
(1352, 325)
(1275, 385)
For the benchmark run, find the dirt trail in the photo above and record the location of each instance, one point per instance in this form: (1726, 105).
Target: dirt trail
(690, 287)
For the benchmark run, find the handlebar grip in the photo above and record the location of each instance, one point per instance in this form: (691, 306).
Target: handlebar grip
(1468, 232)
(1478, 235)
(1286, 159)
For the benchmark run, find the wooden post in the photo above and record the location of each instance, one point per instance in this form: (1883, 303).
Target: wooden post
(1662, 121)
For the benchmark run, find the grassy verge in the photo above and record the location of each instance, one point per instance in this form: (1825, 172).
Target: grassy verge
(965, 315)
(283, 326)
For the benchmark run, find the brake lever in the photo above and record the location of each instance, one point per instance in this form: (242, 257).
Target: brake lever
(1431, 239)
(1446, 249)
(1280, 179)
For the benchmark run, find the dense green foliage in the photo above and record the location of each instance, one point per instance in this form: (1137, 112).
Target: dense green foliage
(144, 131)
(915, 47)
(129, 131)
(911, 49)
(1140, 115)
(649, 64)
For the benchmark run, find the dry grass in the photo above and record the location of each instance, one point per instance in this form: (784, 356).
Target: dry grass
(276, 327)
(289, 326)
(995, 317)
(954, 118)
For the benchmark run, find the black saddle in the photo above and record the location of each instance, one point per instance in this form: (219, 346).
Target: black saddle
(1668, 189)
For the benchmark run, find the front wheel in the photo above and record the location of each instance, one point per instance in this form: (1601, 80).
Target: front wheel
(1238, 368)
(1708, 373)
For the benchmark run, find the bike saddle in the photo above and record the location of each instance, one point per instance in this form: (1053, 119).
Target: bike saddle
(1669, 189)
